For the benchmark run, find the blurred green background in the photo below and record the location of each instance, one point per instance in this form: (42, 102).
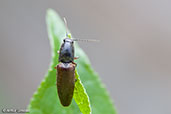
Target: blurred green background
(132, 57)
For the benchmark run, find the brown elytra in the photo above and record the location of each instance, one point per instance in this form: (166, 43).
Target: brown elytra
(65, 82)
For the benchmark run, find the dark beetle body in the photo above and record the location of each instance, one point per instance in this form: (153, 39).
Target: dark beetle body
(66, 72)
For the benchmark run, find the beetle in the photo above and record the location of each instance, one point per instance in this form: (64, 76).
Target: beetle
(66, 72)
(66, 69)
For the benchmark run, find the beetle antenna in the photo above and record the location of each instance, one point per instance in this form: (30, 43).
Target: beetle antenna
(66, 26)
(86, 40)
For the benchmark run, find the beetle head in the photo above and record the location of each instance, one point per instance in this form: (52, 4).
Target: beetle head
(68, 40)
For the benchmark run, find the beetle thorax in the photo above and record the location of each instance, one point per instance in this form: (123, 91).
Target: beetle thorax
(66, 54)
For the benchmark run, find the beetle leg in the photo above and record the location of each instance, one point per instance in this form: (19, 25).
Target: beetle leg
(55, 67)
(74, 63)
(76, 57)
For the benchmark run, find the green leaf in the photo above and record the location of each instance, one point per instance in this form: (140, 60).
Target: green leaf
(46, 101)
(81, 97)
